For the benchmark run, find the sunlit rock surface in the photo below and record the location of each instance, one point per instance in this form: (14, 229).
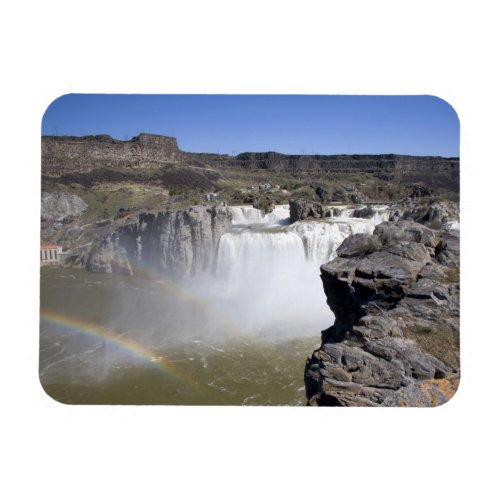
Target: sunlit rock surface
(395, 296)
(179, 242)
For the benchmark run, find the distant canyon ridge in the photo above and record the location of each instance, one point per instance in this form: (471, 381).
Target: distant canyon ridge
(69, 155)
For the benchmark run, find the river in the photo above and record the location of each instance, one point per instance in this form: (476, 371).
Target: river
(237, 336)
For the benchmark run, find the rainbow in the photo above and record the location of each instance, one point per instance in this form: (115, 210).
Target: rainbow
(119, 339)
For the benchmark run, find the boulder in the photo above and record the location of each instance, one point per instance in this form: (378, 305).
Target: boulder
(322, 194)
(301, 209)
(358, 245)
(439, 213)
(264, 203)
(364, 213)
(419, 190)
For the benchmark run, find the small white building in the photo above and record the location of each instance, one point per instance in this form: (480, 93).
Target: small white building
(211, 197)
(50, 254)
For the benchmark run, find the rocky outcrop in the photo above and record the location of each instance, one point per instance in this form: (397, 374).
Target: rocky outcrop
(107, 256)
(60, 213)
(177, 242)
(59, 205)
(301, 209)
(364, 213)
(440, 213)
(434, 214)
(395, 340)
(265, 204)
(64, 154)
(418, 190)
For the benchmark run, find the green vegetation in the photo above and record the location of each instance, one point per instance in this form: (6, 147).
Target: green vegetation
(112, 200)
(452, 276)
(438, 340)
(115, 192)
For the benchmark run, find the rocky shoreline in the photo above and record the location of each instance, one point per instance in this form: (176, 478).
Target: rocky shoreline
(395, 340)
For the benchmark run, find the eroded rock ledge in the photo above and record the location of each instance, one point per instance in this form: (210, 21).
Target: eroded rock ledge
(395, 340)
(177, 242)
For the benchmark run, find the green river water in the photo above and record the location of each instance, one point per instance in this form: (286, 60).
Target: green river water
(110, 339)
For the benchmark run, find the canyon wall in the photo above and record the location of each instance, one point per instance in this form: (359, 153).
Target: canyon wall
(177, 242)
(68, 154)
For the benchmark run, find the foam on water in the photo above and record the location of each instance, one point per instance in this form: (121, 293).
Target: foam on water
(453, 225)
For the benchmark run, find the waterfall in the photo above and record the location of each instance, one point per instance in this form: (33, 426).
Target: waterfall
(246, 253)
(263, 243)
(321, 239)
(244, 215)
(381, 212)
(264, 278)
(266, 270)
(452, 225)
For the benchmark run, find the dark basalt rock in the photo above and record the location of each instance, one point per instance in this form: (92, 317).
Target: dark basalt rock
(439, 213)
(418, 190)
(358, 245)
(355, 198)
(322, 194)
(265, 204)
(363, 213)
(395, 340)
(303, 209)
(432, 214)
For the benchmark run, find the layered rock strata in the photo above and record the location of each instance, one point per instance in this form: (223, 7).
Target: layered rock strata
(69, 155)
(395, 340)
(63, 154)
(177, 242)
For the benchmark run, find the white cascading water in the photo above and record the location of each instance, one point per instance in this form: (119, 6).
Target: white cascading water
(321, 239)
(267, 270)
(452, 225)
(245, 215)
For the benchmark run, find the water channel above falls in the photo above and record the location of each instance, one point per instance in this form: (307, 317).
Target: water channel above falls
(240, 335)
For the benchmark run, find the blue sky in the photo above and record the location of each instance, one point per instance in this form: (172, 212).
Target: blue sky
(296, 124)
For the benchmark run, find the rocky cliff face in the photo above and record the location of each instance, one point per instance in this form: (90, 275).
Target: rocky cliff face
(395, 340)
(432, 171)
(58, 205)
(61, 154)
(177, 242)
(59, 215)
